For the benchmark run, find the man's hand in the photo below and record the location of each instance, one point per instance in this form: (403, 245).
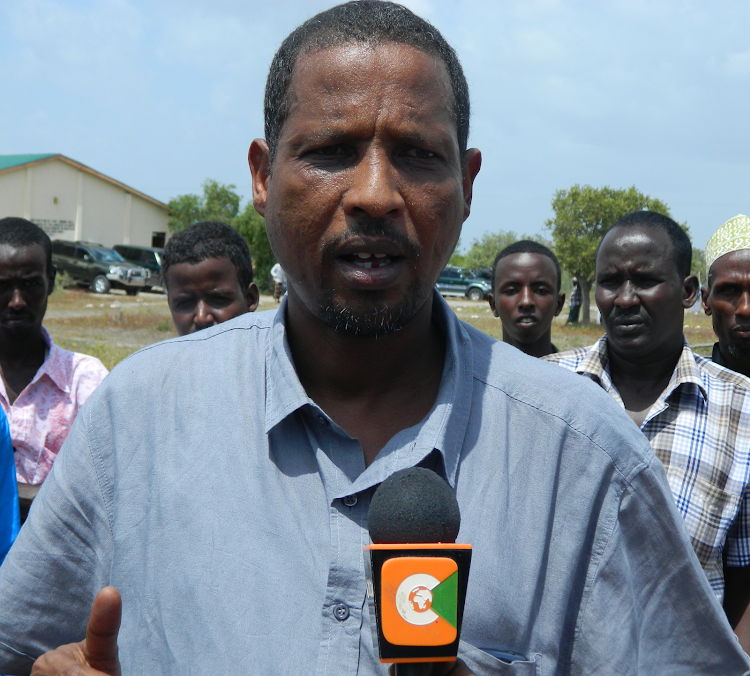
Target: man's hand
(97, 654)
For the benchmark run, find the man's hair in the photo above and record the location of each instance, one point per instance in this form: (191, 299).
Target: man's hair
(19, 232)
(209, 239)
(682, 249)
(527, 246)
(370, 22)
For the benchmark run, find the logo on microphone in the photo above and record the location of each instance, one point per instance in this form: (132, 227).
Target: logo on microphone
(419, 600)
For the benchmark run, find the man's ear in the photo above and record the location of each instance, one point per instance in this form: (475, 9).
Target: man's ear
(491, 301)
(691, 287)
(560, 303)
(472, 164)
(259, 159)
(51, 276)
(252, 296)
(704, 299)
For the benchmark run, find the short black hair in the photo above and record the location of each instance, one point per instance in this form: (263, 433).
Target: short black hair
(682, 249)
(209, 239)
(371, 22)
(20, 232)
(527, 246)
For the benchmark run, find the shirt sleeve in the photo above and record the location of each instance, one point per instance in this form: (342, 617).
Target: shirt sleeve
(68, 537)
(737, 547)
(9, 516)
(90, 373)
(648, 601)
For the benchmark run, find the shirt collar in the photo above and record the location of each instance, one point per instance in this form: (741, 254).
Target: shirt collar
(596, 365)
(443, 429)
(55, 365)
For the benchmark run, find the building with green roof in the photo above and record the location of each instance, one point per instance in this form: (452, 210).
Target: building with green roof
(72, 201)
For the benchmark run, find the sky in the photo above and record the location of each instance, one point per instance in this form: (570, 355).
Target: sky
(162, 94)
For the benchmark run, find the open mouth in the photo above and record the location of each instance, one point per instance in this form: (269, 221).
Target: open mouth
(368, 260)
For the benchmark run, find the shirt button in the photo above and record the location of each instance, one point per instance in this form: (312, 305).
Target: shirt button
(341, 611)
(350, 500)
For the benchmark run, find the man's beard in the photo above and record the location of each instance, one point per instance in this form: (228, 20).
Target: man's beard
(371, 318)
(739, 352)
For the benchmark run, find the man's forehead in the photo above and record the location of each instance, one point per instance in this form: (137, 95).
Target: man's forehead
(534, 263)
(360, 70)
(733, 264)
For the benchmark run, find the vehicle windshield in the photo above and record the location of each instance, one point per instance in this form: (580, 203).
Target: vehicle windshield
(107, 256)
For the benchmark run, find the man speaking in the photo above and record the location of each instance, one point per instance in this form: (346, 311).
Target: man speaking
(221, 481)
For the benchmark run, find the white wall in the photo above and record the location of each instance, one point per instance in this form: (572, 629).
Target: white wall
(87, 207)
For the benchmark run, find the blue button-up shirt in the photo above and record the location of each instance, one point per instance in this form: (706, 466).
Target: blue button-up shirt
(231, 512)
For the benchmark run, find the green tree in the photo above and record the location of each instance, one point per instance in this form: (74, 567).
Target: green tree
(252, 227)
(184, 210)
(219, 202)
(482, 252)
(583, 214)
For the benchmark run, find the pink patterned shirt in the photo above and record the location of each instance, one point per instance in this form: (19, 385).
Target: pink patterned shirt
(43, 412)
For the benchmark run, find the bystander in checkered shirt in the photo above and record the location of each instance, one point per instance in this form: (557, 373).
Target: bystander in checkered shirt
(699, 428)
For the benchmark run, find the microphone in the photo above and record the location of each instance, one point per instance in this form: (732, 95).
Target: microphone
(416, 575)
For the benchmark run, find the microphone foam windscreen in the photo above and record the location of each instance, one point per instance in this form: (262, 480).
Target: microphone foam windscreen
(414, 505)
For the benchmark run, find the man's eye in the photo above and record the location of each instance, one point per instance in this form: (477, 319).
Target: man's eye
(420, 153)
(336, 150)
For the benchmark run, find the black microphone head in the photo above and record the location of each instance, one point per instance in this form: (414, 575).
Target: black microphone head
(413, 505)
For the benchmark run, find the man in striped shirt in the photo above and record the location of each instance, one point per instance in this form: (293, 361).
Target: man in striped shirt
(695, 413)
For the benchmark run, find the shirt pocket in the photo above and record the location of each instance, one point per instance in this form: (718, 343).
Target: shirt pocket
(711, 512)
(483, 663)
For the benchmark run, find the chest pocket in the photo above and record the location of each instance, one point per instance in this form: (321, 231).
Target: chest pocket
(483, 663)
(717, 509)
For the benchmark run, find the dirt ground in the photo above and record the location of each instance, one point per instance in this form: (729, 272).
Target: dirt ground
(112, 326)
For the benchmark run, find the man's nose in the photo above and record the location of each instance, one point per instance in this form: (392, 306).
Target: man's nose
(743, 306)
(17, 301)
(203, 317)
(627, 295)
(374, 190)
(525, 298)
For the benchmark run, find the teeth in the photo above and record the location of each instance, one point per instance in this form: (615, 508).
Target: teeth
(363, 255)
(379, 255)
(367, 265)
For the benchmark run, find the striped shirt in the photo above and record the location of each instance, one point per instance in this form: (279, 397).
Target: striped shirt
(699, 428)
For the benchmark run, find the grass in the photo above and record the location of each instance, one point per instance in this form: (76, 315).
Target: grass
(112, 326)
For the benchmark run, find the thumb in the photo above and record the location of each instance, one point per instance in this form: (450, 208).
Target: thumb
(101, 632)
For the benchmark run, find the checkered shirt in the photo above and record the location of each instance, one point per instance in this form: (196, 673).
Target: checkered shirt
(699, 428)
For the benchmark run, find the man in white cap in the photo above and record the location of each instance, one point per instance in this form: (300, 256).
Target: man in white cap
(726, 299)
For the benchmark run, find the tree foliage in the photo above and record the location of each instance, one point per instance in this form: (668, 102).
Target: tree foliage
(583, 214)
(482, 252)
(252, 227)
(221, 202)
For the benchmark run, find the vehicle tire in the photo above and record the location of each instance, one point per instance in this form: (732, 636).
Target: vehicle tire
(132, 291)
(100, 284)
(146, 289)
(475, 294)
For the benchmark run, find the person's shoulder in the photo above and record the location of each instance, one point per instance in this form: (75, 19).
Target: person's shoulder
(570, 358)
(711, 371)
(570, 401)
(239, 341)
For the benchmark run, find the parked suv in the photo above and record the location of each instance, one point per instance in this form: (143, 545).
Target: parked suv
(455, 281)
(98, 267)
(146, 256)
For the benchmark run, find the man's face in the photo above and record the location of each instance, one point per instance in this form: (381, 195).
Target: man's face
(640, 293)
(207, 293)
(727, 301)
(367, 193)
(525, 296)
(25, 284)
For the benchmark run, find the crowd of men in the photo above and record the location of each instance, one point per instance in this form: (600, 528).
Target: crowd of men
(216, 522)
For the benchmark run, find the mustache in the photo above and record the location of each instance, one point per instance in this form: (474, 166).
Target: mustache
(367, 226)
